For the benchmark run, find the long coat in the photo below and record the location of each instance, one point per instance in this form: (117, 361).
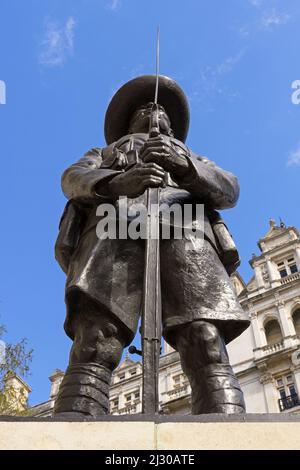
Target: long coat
(108, 273)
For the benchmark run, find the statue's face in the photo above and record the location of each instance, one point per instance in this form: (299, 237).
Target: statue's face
(140, 120)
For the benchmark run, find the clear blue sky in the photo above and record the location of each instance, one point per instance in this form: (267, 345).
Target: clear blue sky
(63, 60)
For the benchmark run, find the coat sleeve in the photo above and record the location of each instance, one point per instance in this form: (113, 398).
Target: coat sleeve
(80, 179)
(216, 187)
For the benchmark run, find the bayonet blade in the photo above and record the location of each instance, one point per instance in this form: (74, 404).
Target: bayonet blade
(157, 65)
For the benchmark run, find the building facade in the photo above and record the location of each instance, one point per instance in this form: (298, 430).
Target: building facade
(265, 358)
(14, 397)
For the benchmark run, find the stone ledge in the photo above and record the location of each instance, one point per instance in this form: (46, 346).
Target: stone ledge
(205, 418)
(161, 433)
(229, 436)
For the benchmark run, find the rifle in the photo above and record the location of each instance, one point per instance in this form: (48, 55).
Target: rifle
(151, 307)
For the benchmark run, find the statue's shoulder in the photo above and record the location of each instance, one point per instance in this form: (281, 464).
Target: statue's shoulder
(94, 152)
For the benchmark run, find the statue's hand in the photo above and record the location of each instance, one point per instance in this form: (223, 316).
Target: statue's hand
(158, 151)
(136, 180)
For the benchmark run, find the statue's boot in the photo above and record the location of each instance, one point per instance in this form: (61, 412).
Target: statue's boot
(217, 391)
(204, 360)
(95, 353)
(84, 391)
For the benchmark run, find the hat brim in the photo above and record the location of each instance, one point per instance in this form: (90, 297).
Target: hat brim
(140, 91)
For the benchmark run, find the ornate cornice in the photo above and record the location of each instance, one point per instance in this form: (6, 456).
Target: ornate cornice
(266, 378)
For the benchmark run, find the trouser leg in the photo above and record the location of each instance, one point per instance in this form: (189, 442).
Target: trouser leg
(204, 360)
(96, 352)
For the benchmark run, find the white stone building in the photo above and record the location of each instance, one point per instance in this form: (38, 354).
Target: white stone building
(15, 395)
(266, 357)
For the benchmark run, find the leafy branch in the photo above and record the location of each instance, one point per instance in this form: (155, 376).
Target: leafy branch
(14, 361)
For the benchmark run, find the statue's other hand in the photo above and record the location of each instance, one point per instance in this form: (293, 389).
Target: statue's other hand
(158, 151)
(133, 182)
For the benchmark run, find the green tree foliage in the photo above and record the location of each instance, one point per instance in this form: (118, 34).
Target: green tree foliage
(15, 360)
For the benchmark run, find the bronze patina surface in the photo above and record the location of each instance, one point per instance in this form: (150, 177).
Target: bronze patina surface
(104, 289)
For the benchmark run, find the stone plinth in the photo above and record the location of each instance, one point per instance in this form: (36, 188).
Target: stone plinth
(274, 431)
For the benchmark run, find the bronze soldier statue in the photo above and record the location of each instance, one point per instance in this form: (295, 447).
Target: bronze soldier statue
(200, 311)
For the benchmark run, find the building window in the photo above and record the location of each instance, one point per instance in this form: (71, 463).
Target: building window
(283, 272)
(287, 393)
(287, 267)
(293, 268)
(128, 398)
(273, 332)
(122, 376)
(279, 383)
(132, 372)
(114, 403)
(296, 320)
(178, 380)
(132, 397)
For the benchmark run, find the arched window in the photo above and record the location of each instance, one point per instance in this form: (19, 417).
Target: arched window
(273, 332)
(296, 320)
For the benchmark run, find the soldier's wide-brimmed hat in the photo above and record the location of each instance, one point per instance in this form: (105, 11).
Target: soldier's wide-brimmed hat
(140, 91)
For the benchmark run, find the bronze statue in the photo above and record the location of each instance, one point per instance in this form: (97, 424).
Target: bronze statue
(200, 311)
